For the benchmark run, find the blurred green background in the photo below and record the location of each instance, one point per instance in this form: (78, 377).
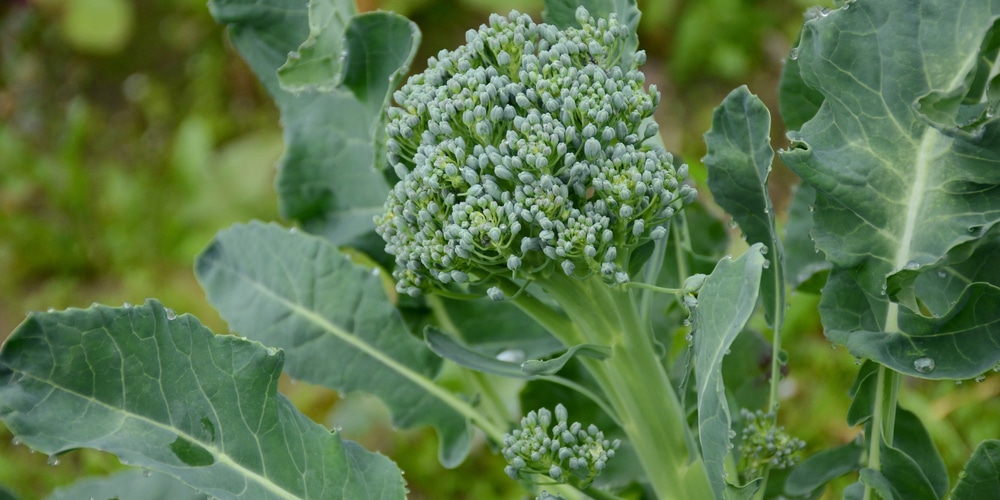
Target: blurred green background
(131, 131)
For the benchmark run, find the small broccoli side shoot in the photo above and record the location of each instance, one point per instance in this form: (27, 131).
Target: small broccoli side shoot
(543, 450)
(525, 152)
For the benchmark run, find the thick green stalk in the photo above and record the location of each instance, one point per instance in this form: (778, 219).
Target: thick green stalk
(634, 382)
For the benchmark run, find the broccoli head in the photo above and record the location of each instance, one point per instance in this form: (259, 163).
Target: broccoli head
(525, 152)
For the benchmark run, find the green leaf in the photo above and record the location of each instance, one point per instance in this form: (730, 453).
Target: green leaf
(317, 65)
(328, 179)
(823, 467)
(862, 394)
(725, 303)
(980, 478)
(552, 366)
(450, 349)
(494, 327)
(298, 292)
(739, 162)
(897, 190)
(126, 485)
(912, 439)
(905, 476)
(797, 101)
(162, 392)
(805, 266)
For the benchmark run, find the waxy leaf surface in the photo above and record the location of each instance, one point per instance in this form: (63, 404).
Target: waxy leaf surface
(898, 188)
(327, 178)
(298, 292)
(725, 303)
(164, 393)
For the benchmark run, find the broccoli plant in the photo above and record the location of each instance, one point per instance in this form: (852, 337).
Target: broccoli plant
(506, 233)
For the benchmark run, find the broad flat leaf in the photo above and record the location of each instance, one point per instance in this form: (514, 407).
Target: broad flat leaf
(897, 190)
(797, 101)
(980, 478)
(130, 484)
(298, 292)
(492, 328)
(162, 392)
(823, 467)
(806, 268)
(912, 439)
(862, 394)
(317, 64)
(739, 162)
(327, 179)
(725, 303)
(562, 13)
(904, 475)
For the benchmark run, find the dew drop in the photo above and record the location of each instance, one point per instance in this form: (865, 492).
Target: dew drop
(512, 356)
(766, 211)
(51, 310)
(833, 347)
(857, 361)
(942, 274)
(686, 322)
(766, 264)
(732, 224)
(171, 315)
(884, 287)
(127, 305)
(689, 338)
(825, 11)
(912, 265)
(980, 378)
(763, 250)
(794, 54)
(923, 365)
(732, 434)
(272, 351)
(147, 473)
(812, 208)
(15, 442)
(958, 382)
(53, 460)
(728, 352)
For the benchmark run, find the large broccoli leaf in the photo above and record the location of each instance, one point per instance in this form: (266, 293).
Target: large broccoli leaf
(900, 192)
(164, 393)
(298, 292)
(346, 68)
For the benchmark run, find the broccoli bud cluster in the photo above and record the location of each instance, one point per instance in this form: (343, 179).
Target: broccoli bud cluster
(765, 445)
(562, 451)
(525, 151)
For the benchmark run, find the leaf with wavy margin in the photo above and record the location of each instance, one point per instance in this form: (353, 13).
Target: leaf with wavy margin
(899, 190)
(725, 303)
(164, 393)
(298, 292)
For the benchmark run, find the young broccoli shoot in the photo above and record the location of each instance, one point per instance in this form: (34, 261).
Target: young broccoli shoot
(561, 451)
(525, 152)
(765, 445)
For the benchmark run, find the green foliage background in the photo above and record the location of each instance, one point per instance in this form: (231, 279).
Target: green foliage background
(130, 132)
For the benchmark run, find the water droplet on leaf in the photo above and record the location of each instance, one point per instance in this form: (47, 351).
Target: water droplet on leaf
(825, 11)
(942, 274)
(147, 473)
(923, 365)
(15, 441)
(980, 378)
(127, 305)
(53, 460)
(766, 264)
(171, 315)
(794, 54)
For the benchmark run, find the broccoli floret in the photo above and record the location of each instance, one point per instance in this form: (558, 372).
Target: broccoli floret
(558, 450)
(525, 152)
(525, 157)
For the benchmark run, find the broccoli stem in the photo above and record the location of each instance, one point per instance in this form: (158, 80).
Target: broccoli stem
(634, 381)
